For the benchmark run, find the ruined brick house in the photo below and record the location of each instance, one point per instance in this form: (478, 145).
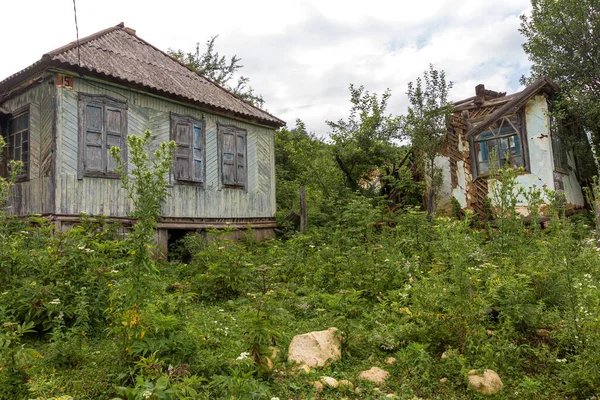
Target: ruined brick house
(493, 128)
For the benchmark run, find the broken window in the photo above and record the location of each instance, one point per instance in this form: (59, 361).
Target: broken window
(102, 125)
(17, 143)
(499, 145)
(188, 160)
(232, 142)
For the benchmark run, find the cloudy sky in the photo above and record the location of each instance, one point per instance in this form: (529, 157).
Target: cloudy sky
(301, 55)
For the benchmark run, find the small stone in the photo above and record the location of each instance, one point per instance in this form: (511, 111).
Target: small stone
(274, 352)
(391, 395)
(318, 385)
(391, 360)
(267, 363)
(490, 332)
(376, 390)
(542, 332)
(488, 383)
(345, 384)
(374, 374)
(329, 381)
(304, 368)
(444, 355)
(443, 381)
(357, 390)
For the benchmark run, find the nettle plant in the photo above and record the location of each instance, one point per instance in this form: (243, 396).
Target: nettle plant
(146, 187)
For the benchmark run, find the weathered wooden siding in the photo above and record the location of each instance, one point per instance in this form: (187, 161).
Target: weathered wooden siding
(105, 196)
(35, 196)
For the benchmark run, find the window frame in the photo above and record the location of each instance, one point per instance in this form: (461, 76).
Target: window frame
(106, 102)
(521, 132)
(5, 131)
(174, 118)
(558, 144)
(237, 131)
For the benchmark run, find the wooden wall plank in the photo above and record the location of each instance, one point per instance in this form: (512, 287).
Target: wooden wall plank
(98, 195)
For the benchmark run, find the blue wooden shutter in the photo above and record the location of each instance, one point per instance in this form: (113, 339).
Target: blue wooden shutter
(240, 178)
(228, 156)
(181, 132)
(113, 136)
(93, 160)
(198, 154)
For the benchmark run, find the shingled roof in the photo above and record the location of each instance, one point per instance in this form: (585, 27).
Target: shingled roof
(117, 54)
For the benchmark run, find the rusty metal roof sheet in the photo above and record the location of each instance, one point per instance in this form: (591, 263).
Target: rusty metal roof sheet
(118, 54)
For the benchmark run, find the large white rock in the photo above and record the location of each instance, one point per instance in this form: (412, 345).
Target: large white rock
(316, 349)
(488, 383)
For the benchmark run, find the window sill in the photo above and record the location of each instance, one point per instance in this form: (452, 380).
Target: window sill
(188, 183)
(561, 171)
(109, 175)
(238, 187)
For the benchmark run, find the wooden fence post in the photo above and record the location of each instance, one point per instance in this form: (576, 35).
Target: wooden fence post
(303, 215)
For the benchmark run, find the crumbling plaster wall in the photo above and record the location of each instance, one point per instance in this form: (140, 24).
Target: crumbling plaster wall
(455, 164)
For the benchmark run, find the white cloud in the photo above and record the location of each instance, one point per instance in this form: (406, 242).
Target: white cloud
(302, 55)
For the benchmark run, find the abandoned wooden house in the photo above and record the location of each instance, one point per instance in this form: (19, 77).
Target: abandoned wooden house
(494, 129)
(61, 115)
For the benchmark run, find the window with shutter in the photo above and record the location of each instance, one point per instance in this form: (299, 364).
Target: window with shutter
(232, 142)
(16, 136)
(102, 125)
(188, 160)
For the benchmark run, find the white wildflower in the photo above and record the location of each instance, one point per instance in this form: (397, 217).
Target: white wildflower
(147, 394)
(561, 360)
(243, 356)
(114, 271)
(55, 302)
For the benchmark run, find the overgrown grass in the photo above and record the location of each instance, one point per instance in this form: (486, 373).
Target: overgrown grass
(412, 292)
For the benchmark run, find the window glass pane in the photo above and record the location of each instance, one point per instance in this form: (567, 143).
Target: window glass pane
(482, 153)
(517, 161)
(504, 146)
(515, 145)
(483, 168)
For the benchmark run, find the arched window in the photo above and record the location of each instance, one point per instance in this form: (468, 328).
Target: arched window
(500, 144)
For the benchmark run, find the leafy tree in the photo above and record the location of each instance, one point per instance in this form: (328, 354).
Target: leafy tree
(426, 123)
(563, 43)
(368, 140)
(220, 69)
(303, 160)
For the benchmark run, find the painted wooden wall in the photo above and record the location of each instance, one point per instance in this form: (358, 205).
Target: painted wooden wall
(105, 196)
(35, 196)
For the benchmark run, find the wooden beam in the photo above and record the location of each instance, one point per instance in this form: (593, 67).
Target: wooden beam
(516, 102)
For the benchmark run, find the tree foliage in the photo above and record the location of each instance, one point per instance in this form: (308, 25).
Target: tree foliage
(369, 139)
(303, 160)
(426, 124)
(563, 43)
(219, 68)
